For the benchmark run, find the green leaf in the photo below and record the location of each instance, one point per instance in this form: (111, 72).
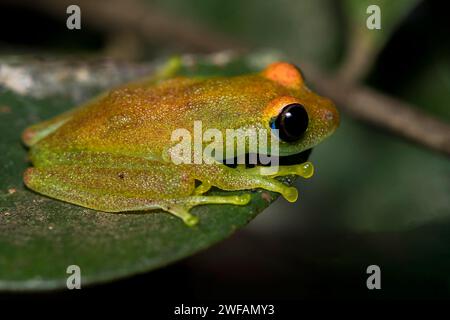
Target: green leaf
(40, 237)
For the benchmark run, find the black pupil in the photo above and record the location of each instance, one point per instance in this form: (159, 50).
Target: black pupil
(292, 122)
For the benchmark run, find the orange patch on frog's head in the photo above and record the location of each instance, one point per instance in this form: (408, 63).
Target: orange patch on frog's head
(303, 118)
(284, 73)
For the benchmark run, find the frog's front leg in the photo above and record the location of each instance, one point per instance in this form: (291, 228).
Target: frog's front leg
(240, 178)
(305, 170)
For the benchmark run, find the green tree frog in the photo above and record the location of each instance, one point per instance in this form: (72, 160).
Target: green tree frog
(111, 154)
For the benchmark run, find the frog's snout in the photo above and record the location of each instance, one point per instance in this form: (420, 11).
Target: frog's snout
(330, 115)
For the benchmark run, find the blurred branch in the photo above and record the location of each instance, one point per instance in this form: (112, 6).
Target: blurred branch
(359, 58)
(370, 106)
(364, 45)
(385, 112)
(356, 100)
(139, 17)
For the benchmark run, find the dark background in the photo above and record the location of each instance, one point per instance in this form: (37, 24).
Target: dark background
(375, 199)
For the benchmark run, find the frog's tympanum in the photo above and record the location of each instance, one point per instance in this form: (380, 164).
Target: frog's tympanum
(112, 154)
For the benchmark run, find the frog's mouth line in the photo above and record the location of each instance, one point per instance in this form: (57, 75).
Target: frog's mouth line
(282, 160)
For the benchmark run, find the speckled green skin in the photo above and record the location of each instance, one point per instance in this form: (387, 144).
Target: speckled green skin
(111, 154)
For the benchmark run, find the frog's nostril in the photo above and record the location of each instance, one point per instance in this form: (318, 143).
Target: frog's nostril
(329, 116)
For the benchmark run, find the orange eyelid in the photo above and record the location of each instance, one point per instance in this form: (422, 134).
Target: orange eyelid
(285, 74)
(274, 107)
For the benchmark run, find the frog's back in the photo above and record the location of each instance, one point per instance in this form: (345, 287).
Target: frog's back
(140, 119)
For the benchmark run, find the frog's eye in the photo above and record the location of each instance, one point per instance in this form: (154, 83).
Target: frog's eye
(292, 122)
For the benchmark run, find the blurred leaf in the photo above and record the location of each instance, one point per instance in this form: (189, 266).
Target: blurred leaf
(392, 13)
(431, 86)
(40, 237)
(364, 44)
(297, 28)
(378, 184)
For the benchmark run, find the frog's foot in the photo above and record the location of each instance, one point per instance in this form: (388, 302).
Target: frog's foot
(167, 70)
(304, 170)
(181, 207)
(241, 178)
(289, 193)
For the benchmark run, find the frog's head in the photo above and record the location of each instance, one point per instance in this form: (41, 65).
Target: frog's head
(303, 118)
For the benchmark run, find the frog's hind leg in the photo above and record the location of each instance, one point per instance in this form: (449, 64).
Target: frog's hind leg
(39, 131)
(181, 207)
(115, 190)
